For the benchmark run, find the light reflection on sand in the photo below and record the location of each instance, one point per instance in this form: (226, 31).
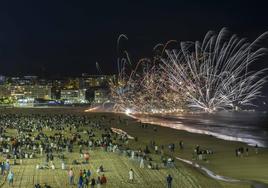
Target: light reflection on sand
(180, 126)
(196, 123)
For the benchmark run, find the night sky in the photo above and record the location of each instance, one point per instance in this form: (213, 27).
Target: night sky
(57, 38)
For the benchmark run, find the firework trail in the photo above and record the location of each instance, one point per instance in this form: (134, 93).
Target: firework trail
(142, 88)
(214, 74)
(209, 75)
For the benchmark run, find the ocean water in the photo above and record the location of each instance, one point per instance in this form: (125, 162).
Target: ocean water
(248, 127)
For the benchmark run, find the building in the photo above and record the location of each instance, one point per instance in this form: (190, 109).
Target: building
(94, 81)
(26, 80)
(101, 96)
(2, 79)
(30, 91)
(4, 91)
(72, 96)
(93, 88)
(71, 83)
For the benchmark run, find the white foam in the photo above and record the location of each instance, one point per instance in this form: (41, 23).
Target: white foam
(180, 126)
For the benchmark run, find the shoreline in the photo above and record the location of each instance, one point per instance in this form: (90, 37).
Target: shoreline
(217, 177)
(156, 120)
(226, 165)
(152, 119)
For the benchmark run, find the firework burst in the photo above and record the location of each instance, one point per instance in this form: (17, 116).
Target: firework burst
(142, 88)
(214, 74)
(210, 75)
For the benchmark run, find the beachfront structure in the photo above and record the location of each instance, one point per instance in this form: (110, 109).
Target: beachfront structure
(101, 96)
(30, 91)
(88, 81)
(71, 96)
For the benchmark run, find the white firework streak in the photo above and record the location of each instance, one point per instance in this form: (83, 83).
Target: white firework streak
(142, 88)
(209, 76)
(214, 74)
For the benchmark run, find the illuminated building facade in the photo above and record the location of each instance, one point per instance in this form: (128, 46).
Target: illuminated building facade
(71, 96)
(30, 91)
(101, 96)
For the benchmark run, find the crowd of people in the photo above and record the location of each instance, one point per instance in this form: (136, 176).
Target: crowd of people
(33, 139)
(241, 151)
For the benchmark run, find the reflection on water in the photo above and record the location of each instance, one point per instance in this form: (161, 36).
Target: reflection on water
(248, 127)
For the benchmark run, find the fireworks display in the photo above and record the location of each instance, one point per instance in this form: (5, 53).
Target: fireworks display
(210, 75)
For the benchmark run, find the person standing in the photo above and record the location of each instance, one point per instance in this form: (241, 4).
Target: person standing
(41, 150)
(181, 144)
(98, 182)
(131, 175)
(88, 174)
(10, 178)
(142, 163)
(71, 176)
(86, 182)
(156, 149)
(132, 155)
(256, 148)
(103, 180)
(92, 183)
(7, 166)
(2, 168)
(80, 182)
(62, 165)
(169, 181)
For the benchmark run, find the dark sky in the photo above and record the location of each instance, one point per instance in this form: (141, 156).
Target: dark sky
(68, 37)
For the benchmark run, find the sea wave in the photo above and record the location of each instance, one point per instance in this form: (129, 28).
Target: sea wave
(241, 127)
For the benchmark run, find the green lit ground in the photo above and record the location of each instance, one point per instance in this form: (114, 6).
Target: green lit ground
(223, 162)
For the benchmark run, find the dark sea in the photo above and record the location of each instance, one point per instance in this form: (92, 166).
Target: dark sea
(249, 127)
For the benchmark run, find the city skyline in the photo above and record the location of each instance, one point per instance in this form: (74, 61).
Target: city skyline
(32, 90)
